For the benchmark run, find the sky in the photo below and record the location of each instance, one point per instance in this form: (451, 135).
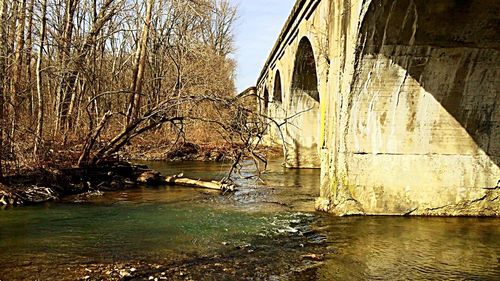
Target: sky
(257, 29)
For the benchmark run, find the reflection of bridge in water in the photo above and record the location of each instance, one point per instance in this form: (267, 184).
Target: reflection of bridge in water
(398, 103)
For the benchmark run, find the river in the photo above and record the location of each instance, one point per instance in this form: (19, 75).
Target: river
(267, 230)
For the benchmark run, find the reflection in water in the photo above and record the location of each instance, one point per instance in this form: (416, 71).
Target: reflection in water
(264, 230)
(413, 248)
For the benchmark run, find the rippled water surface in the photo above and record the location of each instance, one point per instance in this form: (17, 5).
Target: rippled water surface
(268, 230)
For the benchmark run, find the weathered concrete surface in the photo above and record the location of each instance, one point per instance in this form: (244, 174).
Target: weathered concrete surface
(302, 132)
(408, 115)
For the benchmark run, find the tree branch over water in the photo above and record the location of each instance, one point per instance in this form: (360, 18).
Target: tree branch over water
(111, 73)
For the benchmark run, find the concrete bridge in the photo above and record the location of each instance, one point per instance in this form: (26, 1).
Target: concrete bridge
(395, 100)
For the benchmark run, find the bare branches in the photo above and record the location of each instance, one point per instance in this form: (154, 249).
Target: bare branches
(108, 71)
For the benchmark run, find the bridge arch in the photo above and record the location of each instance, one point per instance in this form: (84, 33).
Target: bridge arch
(305, 77)
(277, 90)
(303, 132)
(265, 99)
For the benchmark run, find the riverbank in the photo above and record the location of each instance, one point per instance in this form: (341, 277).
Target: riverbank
(58, 179)
(42, 185)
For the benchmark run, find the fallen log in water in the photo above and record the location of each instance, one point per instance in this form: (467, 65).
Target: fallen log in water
(44, 185)
(151, 177)
(216, 185)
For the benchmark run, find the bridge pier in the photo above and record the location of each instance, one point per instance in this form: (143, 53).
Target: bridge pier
(407, 119)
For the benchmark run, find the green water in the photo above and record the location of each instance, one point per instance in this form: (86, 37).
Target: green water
(260, 233)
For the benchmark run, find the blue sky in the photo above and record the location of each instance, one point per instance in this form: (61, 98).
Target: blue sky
(258, 27)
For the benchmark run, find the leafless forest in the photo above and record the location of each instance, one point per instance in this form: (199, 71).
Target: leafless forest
(81, 79)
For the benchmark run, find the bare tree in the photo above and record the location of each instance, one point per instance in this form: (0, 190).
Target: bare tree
(18, 67)
(39, 82)
(3, 54)
(139, 64)
(110, 71)
(67, 77)
(29, 56)
(219, 34)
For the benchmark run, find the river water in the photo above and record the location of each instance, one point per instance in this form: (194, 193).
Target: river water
(267, 230)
